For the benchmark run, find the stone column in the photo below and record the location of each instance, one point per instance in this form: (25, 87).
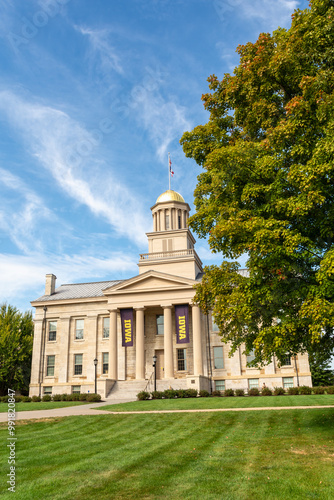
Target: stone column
(36, 360)
(168, 342)
(90, 336)
(140, 348)
(113, 345)
(197, 341)
(63, 332)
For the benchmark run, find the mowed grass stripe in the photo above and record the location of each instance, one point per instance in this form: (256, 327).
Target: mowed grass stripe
(222, 402)
(206, 455)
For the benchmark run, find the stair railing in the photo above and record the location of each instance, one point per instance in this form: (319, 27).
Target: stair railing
(148, 387)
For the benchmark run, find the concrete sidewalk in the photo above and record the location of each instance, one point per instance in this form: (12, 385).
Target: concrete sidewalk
(93, 409)
(87, 409)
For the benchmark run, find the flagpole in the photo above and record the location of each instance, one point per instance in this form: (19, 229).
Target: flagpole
(169, 171)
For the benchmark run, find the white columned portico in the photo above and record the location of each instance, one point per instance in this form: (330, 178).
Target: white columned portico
(197, 342)
(168, 342)
(140, 347)
(113, 345)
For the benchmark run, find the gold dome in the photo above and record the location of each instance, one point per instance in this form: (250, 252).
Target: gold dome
(170, 195)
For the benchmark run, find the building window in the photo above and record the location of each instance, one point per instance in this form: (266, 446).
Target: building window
(167, 221)
(179, 221)
(160, 324)
(105, 363)
(218, 357)
(214, 325)
(77, 364)
(52, 330)
(286, 361)
(250, 356)
(106, 327)
(181, 359)
(220, 385)
(287, 382)
(253, 383)
(76, 389)
(50, 365)
(79, 329)
(47, 390)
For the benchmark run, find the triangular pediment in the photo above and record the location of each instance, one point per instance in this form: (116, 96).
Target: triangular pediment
(149, 281)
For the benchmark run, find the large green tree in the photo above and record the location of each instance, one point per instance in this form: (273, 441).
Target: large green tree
(16, 339)
(267, 189)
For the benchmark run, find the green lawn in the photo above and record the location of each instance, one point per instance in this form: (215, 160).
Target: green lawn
(49, 405)
(283, 455)
(231, 402)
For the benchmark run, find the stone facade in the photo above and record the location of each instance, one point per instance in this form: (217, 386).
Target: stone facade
(79, 323)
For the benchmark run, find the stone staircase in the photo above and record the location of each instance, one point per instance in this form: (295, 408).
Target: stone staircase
(128, 389)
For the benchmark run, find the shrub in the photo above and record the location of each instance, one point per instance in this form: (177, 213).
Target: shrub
(83, 396)
(26, 399)
(157, 394)
(64, 397)
(239, 392)
(56, 397)
(18, 399)
(192, 393)
(254, 392)
(228, 393)
(75, 397)
(318, 390)
(170, 394)
(181, 393)
(266, 392)
(293, 391)
(279, 391)
(4, 399)
(204, 394)
(143, 395)
(304, 389)
(330, 389)
(36, 399)
(216, 394)
(46, 397)
(92, 398)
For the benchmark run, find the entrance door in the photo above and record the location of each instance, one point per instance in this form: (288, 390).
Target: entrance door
(160, 363)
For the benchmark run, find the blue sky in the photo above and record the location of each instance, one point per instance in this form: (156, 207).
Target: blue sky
(93, 96)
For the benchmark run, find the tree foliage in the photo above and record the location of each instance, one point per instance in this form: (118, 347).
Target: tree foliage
(267, 189)
(16, 339)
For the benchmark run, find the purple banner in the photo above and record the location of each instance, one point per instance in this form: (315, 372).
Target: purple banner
(182, 324)
(127, 327)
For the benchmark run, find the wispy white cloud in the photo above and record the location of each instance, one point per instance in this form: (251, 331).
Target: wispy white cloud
(273, 13)
(70, 153)
(163, 119)
(268, 13)
(228, 55)
(101, 48)
(22, 273)
(19, 218)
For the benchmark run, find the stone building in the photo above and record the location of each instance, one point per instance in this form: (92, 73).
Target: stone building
(122, 324)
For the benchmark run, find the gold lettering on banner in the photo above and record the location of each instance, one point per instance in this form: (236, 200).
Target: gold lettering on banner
(127, 330)
(182, 327)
